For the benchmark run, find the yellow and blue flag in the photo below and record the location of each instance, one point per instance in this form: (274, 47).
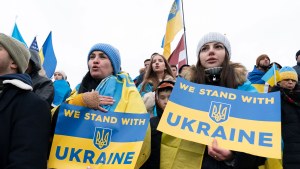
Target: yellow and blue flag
(239, 120)
(174, 25)
(86, 137)
(271, 76)
(47, 56)
(17, 35)
(260, 88)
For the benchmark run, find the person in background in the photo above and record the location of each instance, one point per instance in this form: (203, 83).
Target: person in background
(24, 116)
(159, 70)
(213, 68)
(103, 88)
(290, 116)
(62, 88)
(297, 66)
(42, 86)
(174, 70)
(138, 80)
(259, 70)
(162, 94)
(182, 69)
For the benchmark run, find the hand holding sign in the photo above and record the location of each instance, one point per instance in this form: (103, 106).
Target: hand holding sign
(219, 153)
(241, 121)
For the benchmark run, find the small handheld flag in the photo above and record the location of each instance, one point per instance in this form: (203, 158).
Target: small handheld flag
(271, 76)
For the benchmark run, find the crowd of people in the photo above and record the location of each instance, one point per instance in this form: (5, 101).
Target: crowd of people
(30, 103)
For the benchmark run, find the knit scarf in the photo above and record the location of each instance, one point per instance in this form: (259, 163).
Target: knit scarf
(287, 97)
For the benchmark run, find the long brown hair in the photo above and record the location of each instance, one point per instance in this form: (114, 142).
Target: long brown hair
(227, 77)
(151, 76)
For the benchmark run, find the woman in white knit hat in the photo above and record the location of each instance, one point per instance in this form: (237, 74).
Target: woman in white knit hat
(213, 68)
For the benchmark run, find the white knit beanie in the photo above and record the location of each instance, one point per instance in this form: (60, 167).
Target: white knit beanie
(214, 37)
(62, 73)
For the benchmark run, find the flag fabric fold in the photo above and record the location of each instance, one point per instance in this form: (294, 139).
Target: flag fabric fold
(17, 35)
(47, 56)
(174, 25)
(271, 76)
(178, 56)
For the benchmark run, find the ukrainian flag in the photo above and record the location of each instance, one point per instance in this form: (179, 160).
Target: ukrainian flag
(271, 76)
(47, 56)
(260, 88)
(17, 35)
(174, 25)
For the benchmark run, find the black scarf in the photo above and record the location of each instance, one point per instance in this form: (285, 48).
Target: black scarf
(88, 83)
(291, 96)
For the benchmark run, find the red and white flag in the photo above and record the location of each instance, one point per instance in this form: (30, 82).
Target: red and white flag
(178, 57)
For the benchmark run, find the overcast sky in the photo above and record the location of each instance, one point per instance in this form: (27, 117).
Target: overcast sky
(136, 28)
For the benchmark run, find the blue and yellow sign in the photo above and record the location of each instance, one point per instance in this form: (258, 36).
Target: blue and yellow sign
(239, 120)
(85, 137)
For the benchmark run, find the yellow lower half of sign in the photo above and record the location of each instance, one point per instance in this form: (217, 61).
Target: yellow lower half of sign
(254, 137)
(78, 153)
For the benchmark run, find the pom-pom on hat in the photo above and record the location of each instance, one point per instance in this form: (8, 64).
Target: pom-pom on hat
(112, 53)
(287, 72)
(214, 37)
(17, 51)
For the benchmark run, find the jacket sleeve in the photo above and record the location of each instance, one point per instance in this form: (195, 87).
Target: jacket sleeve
(248, 161)
(46, 91)
(76, 99)
(30, 134)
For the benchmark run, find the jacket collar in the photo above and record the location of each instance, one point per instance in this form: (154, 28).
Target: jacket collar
(22, 81)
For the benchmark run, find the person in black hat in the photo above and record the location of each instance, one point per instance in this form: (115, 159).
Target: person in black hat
(297, 67)
(42, 86)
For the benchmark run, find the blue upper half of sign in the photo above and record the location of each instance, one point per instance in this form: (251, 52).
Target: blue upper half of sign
(80, 127)
(244, 105)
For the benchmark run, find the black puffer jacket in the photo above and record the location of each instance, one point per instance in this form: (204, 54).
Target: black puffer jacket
(24, 124)
(290, 125)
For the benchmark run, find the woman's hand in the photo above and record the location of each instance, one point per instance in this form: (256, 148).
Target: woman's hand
(94, 100)
(219, 153)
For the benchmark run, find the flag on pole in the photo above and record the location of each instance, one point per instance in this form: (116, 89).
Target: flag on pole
(48, 59)
(34, 45)
(178, 57)
(271, 76)
(17, 35)
(174, 25)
